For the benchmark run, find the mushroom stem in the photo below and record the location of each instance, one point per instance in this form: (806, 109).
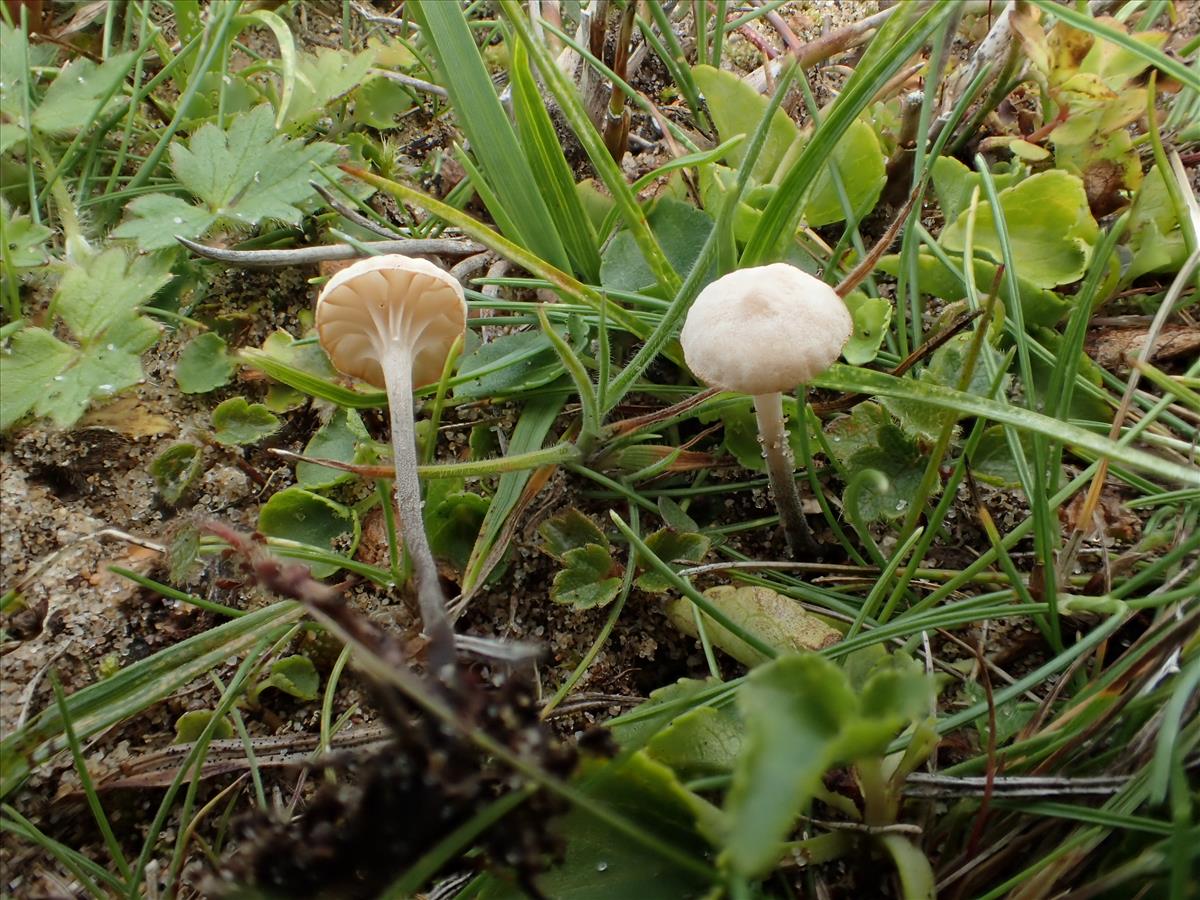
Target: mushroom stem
(397, 368)
(781, 473)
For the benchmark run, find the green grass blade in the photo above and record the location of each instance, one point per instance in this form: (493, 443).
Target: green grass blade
(848, 378)
(473, 228)
(287, 59)
(783, 212)
(100, 705)
(610, 173)
(481, 117)
(552, 172)
(536, 420)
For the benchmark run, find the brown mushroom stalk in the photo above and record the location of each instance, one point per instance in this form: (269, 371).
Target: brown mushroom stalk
(762, 331)
(391, 321)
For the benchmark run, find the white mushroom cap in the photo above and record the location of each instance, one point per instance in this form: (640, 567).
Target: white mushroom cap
(383, 301)
(764, 329)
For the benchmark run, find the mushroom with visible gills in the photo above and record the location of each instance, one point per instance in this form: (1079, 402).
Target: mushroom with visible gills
(391, 321)
(762, 331)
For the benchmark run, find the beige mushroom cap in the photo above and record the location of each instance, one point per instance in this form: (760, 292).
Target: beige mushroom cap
(383, 301)
(764, 329)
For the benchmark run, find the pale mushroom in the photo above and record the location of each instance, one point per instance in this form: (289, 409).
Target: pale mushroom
(762, 331)
(391, 321)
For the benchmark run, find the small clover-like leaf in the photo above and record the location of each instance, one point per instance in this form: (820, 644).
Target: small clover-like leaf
(586, 581)
(669, 545)
(568, 531)
(295, 675)
(307, 518)
(237, 421)
(204, 364)
(175, 470)
(191, 725)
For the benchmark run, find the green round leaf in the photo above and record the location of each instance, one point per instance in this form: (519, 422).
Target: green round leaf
(307, 518)
(295, 675)
(204, 365)
(175, 470)
(191, 725)
(337, 439)
(237, 421)
(872, 316)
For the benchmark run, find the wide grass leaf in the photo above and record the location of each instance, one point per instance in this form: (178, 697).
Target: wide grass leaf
(204, 364)
(493, 140)
(1050, 227)
(553, 173)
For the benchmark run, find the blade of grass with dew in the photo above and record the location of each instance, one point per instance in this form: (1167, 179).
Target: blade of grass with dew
(481, 117)
(593, 144)
(134, 688)
(850, 379)
(784, 210)
(551, 170)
